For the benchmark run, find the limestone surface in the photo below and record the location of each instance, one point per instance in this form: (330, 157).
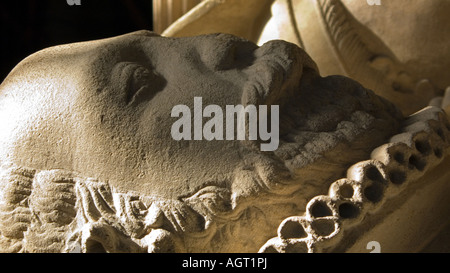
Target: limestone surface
(88, 161)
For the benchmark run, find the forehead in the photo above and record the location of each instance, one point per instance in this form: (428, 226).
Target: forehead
(97, 56)
(142, 47)
(138, 45)
(155, 52)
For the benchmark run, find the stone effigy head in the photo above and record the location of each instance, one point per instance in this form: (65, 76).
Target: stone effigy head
(89, 130)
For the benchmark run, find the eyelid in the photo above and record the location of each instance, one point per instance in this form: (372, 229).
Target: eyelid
(128, 69)
(121, 73)
(124, 74)
(134, 83)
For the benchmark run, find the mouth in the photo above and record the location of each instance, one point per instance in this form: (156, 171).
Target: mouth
(320, 118)
(330, 117)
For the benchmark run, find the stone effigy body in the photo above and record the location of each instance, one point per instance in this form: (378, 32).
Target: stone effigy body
(89, 162)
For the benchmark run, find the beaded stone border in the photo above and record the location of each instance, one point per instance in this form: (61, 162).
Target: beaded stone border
(423, 144)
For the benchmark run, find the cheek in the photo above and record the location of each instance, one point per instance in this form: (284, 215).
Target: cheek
(153, 126)
(103, 119)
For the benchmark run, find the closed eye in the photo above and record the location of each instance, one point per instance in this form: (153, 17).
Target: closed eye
(139, 83)
(140, 78)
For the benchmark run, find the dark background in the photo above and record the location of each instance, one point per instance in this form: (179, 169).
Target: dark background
(27, 26)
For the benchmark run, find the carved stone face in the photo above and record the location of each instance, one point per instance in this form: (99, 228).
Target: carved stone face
(103, 109)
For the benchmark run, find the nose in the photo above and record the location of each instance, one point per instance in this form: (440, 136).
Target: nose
(225, 51)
